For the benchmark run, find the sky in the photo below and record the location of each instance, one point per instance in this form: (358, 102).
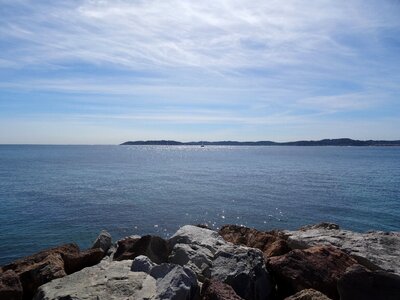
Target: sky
(104, 72)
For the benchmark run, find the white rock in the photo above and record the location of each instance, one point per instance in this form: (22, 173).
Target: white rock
(194, 235)
(107, 280)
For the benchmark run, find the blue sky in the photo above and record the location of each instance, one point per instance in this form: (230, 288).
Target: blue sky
(103, 72)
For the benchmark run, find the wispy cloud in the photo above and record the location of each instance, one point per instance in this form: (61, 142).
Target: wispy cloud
(254, 63)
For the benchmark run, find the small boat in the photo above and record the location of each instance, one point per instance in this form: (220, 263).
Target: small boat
(202, 145)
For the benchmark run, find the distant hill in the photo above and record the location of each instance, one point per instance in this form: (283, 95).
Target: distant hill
(324, 142)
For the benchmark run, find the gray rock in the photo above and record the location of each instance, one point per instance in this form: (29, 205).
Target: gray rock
(194, 235)
(374, 250)
(107, 280)
(103, 241)
(175, 282)
(207, 254)
(142, 264)
(197, 258)
(244, 269)
(195, 247)
(172, 281)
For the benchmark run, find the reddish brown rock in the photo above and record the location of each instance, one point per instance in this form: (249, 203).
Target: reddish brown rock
(308, 294)
(359, 283)
(271, 243)
(318, 267)
(10, 286)
(153, 247)
(39, 268)
(74, 262)
(217, 290)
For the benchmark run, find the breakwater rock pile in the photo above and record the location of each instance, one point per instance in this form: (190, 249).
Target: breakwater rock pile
(315, 262)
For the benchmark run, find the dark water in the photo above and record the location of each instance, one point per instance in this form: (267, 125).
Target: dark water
(56, 194)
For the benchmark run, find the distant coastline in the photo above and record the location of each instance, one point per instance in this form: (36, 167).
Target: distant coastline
(324, 142)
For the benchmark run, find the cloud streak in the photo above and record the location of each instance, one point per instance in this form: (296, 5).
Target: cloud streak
(255, 63)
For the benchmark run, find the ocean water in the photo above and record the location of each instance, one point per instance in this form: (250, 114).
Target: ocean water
(56, 194)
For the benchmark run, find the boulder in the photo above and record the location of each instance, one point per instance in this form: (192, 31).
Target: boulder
(271, 243)
(175, 282)
(74, 262)
(318, 267)
(206, 253)
(197, 258)
(359, 283)
(308, 294)
(153, 247)
(198, 236)
(322, 225)
(103, 241)
(142, 264)
(42, 267)
(108, 280)
(195, 247)
(217, 290)
(244, 270)
(10, 286)
(374, 250)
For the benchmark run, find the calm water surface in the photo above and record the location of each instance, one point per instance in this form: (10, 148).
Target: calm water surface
(56, 194)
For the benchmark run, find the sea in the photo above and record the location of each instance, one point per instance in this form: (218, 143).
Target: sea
(50, 195)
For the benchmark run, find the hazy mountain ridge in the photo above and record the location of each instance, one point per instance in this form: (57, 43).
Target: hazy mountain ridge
(324, 142)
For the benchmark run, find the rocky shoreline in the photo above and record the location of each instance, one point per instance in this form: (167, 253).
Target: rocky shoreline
(315, 262)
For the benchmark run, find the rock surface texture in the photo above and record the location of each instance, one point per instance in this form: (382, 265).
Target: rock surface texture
(153, 247)
(308, 294)
(10, 286)
(380, 248)
(114, 280)
(318, 267)
(107, 280)
(103, 241)
(217, 290)
(210, 256)
(271, 243)
(359, 283)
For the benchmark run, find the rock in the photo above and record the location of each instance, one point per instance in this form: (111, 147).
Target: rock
(153, 247)
(142, 264)
(74, 262)
(323, 225)
(217, 290)
(318, 267)
(197, 258)
(103, 241)
(172, 281)
(41, 267)
(107, 280)
(308, 294)
(244, 270)
(194, 235)
(195, 247)
(374, 250)
(10, 286)
(359, 283)
(210, 256)
(175, 282)
(271, 243)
